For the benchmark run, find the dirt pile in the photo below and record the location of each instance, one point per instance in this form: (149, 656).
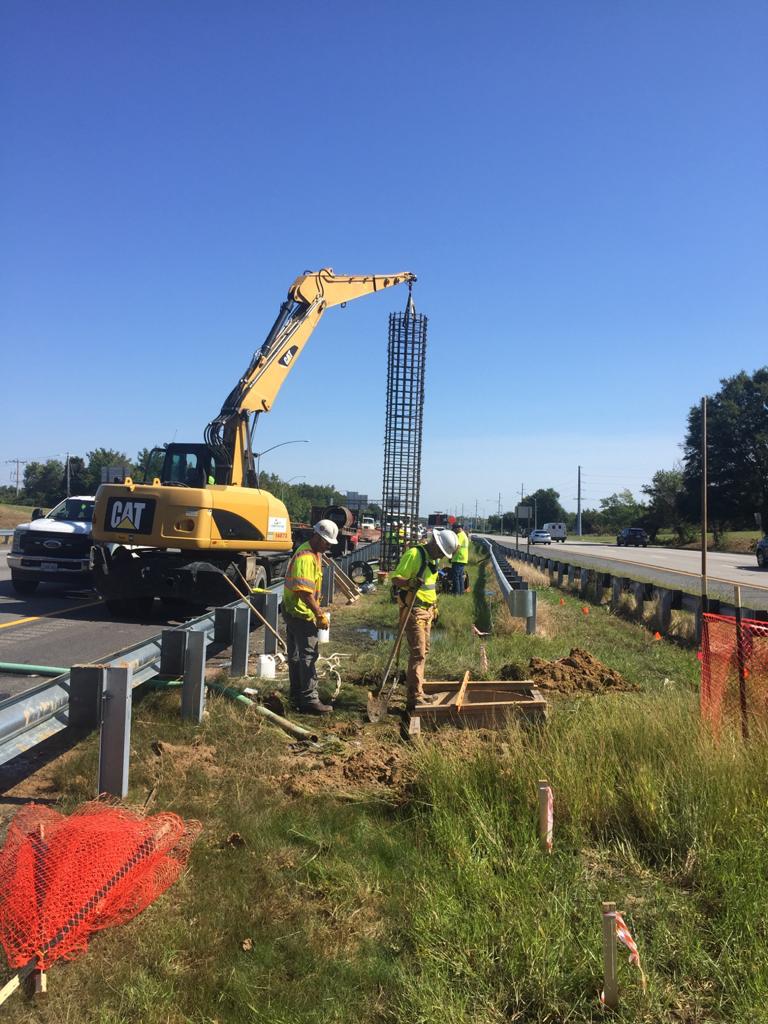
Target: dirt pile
(579, 672)
(362, 761)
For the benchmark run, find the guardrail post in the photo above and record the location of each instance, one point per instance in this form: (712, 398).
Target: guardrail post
(638, 592)
(583, 582)
(240, 641)
(617, 588)
(560, 570)
(571, 575)
(193, 687)
(86, 683)
(115, 739)
(271, 605)
(530, 622)
(223, 619)
(664, 599)
(173, 647)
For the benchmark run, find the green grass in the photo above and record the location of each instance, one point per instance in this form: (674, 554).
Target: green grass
(430, 901)
(12, 515)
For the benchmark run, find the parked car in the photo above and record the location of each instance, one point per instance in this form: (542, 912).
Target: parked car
(540, 537)
(762, 552)
(632, 536)
(53, 548)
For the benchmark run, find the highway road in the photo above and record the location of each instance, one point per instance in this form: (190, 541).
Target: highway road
(732, 569)
(60, 627)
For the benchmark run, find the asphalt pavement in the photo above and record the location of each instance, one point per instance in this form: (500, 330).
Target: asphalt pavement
(724, 570)
(61, 627)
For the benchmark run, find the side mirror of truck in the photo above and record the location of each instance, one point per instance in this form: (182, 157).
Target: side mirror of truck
(37, 513)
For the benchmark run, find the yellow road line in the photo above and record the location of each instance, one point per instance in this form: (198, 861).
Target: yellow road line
(48, 615)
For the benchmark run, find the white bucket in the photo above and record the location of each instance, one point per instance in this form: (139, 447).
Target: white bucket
(266, 666)
(324, 635)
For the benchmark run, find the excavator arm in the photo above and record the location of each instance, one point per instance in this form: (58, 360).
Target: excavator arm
(229, 435)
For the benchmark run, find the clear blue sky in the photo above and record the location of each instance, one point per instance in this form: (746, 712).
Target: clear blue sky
(580, 187)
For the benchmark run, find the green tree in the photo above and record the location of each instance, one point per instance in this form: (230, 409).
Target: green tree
(664, 503)
(737, 454)
(44, 483)
(620, 510)
(546, 503)
(100, 457)
(79, 482)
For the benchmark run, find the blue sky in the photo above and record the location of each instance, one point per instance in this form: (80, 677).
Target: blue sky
(580, 187)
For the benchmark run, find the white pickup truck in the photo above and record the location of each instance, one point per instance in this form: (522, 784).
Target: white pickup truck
(53, 548)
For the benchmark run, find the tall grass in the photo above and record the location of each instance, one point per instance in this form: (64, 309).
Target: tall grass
(650, 813)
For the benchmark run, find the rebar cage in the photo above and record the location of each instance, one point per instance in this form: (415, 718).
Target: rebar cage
(402, 433)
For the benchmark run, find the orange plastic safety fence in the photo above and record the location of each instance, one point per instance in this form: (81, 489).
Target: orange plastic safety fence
(63, 878)
(734, 671)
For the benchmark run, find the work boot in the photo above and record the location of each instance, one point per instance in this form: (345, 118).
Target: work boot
(315, 707)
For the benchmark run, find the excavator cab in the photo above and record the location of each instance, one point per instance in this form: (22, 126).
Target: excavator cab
(181, 465)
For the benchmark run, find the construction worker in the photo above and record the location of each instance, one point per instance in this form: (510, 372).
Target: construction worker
(460, 559)
(304, 616)
(415, 579)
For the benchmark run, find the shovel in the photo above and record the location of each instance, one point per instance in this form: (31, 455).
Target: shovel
(378, 705)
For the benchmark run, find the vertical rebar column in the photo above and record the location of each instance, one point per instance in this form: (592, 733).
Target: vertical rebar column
(402, 433)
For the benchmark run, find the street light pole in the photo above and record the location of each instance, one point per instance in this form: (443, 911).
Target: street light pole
(301, 440)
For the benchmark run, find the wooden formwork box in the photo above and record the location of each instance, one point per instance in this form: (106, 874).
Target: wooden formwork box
(480, 704)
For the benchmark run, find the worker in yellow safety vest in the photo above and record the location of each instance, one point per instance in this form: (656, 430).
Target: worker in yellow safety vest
(415, 580)
(460, 560)
(304, 616)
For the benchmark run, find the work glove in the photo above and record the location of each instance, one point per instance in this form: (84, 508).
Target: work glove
(323, 622)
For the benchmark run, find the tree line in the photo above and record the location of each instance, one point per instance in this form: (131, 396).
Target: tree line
(737, 475)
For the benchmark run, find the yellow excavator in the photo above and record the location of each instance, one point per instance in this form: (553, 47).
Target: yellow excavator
(204, 514)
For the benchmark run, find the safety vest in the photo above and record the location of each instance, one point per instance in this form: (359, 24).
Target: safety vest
(461, 556)
(415, 564)
(304, 572)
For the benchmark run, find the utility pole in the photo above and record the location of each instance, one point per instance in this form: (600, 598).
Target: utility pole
(501, 521)
(578, 506)
(17, 463)
(69, 489)
(475, 513)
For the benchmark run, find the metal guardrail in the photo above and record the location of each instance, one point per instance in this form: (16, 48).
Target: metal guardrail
(687, 584)
(36, 714)
(40, 712)
(520, 599)
(6, 536)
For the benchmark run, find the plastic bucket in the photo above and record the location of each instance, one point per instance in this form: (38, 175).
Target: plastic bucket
(266, 666)
(324, 635)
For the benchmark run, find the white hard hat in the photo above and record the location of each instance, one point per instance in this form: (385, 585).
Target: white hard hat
(328, 530)
(447, 541)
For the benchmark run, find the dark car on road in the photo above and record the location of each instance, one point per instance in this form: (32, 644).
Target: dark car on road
(762, 553)
(632, 536)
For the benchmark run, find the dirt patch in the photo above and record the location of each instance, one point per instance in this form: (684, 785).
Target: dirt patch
(183, 759)
(579, 672)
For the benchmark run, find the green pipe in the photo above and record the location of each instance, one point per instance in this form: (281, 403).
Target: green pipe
(283, 723)
(32, 670)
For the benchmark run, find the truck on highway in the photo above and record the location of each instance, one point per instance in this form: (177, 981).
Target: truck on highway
(53, 548)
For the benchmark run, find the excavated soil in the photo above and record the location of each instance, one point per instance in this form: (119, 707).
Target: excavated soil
(364, 760)
(579, 672)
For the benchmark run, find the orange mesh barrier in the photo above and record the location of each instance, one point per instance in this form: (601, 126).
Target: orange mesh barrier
(734, 671)
(63, 878)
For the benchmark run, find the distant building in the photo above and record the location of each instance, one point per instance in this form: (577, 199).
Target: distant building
(355, 501)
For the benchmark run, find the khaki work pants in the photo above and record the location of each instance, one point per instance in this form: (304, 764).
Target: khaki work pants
(417, 633)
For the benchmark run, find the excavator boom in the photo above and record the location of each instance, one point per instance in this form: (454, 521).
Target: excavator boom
(308, 298)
